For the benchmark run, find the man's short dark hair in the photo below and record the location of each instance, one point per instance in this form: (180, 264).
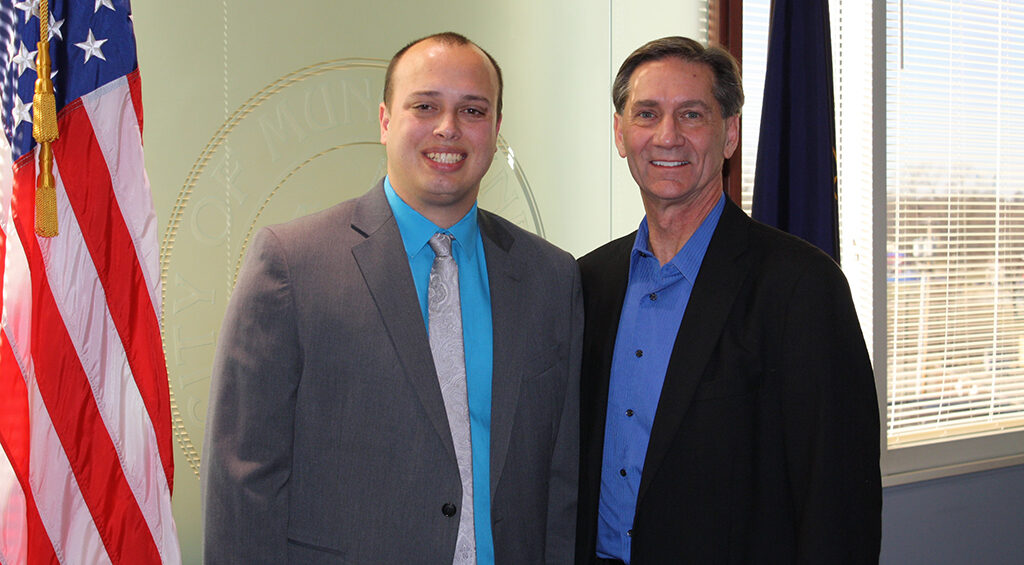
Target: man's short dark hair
(445, 38)
(727, 86)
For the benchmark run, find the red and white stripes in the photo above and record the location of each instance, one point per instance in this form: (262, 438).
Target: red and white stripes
(81, 356)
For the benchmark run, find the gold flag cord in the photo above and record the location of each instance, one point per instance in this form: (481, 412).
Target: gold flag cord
(44, 130)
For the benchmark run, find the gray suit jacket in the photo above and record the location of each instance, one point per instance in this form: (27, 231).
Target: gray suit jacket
(326, 437)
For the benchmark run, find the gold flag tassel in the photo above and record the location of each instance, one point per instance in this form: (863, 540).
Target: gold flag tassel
(44, 130)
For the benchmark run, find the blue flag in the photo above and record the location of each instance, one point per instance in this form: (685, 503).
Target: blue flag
(795, 181)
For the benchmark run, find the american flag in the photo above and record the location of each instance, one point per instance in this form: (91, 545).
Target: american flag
(86, 468)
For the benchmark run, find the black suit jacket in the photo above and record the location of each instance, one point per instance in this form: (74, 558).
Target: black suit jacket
(765, 443)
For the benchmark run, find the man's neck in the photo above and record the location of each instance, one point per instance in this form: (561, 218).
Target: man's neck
(670, 225)
(443, 214)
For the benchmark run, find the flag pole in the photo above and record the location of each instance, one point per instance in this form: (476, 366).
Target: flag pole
(44, 130)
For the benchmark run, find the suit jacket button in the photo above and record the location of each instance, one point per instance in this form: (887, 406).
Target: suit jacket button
(448, 509)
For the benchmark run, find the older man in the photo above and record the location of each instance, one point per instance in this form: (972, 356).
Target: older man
(728, 408)
(397, 376)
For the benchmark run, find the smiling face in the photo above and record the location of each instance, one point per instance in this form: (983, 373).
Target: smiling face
(672, 133)
(440, 128)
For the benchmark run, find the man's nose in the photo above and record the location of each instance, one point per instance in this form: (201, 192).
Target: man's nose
(447, 126)
(668, 132)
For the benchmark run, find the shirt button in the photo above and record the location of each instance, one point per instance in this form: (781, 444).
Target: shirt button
(448, 509)
(653, 296)
(629, 412)
(629, 533)
(639, 352)
(622, 472)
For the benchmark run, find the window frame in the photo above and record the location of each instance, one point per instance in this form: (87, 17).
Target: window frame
(903, 464)
(725, 29)
(935, 460)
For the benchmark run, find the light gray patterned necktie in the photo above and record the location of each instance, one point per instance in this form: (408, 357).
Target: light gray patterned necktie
(445, 321)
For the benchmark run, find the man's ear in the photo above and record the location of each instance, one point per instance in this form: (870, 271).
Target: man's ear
(732, 135)
(497, 128)
(385, 121)
(617, 129)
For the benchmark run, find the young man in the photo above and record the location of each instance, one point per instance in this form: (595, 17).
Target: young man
(361, 413)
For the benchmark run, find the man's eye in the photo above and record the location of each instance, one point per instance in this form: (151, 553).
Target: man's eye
(475, 111)
(691, 115)
(421, 106)
(645, 115)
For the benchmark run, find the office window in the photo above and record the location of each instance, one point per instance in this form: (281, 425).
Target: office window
(951, 200)
(955, 218)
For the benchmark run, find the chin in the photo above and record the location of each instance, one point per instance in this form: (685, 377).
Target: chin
(443, 195)
(669, 190)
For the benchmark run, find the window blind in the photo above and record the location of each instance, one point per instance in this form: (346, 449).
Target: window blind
(955, 219)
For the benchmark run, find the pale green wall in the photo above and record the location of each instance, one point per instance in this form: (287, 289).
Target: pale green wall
(558, 58)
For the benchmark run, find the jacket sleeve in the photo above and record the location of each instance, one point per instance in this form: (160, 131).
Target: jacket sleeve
(247, 454)
(831, 423)
(564, 476)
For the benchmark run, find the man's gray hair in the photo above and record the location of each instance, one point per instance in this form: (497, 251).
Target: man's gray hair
(727, 86)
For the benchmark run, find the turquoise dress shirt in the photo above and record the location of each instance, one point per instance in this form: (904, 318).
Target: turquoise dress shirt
(475, 297)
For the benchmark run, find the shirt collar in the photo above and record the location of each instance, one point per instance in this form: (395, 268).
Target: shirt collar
(688, 260)
(417, 230)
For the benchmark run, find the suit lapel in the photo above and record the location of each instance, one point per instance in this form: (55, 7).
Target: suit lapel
(603, 294)
(382, 261)
(509, 342)
(720, 277)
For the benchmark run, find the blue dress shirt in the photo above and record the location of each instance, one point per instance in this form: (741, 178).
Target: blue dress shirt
(475, 297)
(656, 298)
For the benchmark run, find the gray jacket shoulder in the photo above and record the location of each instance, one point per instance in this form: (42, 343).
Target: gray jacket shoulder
(521, 243)
(329, 226)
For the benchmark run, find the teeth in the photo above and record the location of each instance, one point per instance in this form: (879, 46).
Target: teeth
(669, 163)
(446, 158)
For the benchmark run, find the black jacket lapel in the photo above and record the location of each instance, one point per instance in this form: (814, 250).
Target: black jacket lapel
(718, 281)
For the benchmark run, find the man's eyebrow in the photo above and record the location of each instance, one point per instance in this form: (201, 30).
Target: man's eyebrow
(477, 98)
(429, 93)
(684, 104)
(697, 102)
(436, 93)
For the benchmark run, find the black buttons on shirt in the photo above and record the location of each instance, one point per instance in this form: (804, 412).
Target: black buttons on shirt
(448, 509)
(639, 352)
(653, 296)
(629, 533)
(622, 472)
(629, 412)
